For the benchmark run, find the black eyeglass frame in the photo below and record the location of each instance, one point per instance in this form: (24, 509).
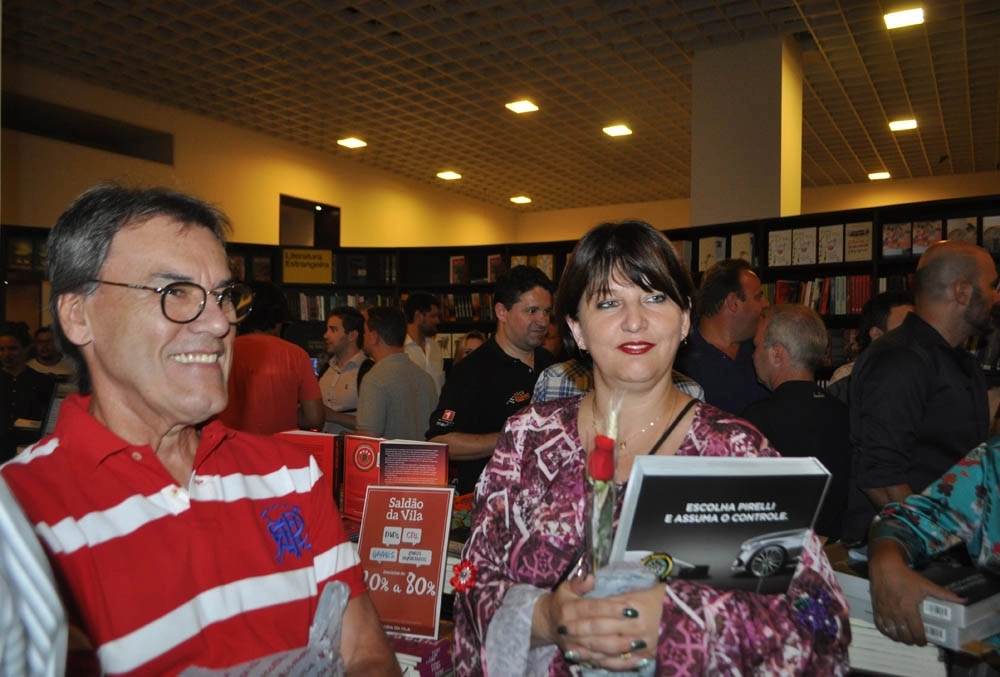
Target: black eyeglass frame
(162, 291)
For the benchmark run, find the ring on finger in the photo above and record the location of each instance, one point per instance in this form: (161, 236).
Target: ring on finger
(626, 655)
(571, 655)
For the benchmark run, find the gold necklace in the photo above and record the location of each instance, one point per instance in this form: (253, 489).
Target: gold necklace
(622, 443)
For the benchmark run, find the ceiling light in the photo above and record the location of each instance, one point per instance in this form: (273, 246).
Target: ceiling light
(319, 208)
(351, 142)
(901, 125)
(520, 199)
(449, 175)
(522, 106)
(878, 176)
(617, 130)
(907, 17)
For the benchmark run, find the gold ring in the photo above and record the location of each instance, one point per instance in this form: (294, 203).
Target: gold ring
(626, 655)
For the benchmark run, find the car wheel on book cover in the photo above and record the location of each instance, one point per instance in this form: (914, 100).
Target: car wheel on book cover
(767, 561)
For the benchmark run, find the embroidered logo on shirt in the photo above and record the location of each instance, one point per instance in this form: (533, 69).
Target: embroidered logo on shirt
(448, 415)
(364, 457)
(518, 397)
(288, 529)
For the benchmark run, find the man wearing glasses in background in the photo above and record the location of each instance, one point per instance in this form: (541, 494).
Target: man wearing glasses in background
(180, 541)
(918, 399)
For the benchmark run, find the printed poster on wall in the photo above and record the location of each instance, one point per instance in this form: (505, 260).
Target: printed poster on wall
(403, 546)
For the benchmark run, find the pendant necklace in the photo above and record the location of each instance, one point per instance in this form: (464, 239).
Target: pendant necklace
(623, 442)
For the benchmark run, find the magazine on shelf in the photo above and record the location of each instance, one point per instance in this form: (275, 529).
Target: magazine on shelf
(991, 234)
(831, 243)
(858, 241)
(925, 233)
(741, 247)
(731, 523)
(963, 229)
(711, 250)
(803, 246)
(896, 239)
(779, 248)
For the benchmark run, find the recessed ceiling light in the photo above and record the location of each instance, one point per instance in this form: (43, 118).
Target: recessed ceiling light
(520, 199)
(319, 208)
(351, 142)
(878, 176)
(449, 175)
(522, 106)
(901, 125)
(617, 130)
(906, 17)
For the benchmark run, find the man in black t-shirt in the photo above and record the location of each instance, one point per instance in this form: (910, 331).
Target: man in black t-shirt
(799, 418)
(496, 380)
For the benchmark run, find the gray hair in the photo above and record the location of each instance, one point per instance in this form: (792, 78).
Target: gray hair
(801, 331)
(79, 242)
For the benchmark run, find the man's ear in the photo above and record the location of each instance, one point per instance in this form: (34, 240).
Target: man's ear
(73, 318)
(732, 301)
(500, 311)
(963, 292)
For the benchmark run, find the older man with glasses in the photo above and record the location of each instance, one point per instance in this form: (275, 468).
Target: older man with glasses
(180, 541)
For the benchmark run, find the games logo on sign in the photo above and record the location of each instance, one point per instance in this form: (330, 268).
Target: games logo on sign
(364, 457)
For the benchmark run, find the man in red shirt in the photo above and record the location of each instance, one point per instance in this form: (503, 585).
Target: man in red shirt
(179, 541)
(272, 385)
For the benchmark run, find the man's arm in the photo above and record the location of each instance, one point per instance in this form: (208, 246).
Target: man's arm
(340, 418)
(880, 496)
(468, 446)
(311, 414)
(363, 644)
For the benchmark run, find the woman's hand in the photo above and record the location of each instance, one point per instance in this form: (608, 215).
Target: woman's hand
(897, 593)
(615, 633)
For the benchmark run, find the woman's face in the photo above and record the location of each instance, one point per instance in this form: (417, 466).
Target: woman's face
(632, 335)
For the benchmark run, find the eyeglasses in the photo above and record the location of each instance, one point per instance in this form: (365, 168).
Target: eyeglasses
(183, 302)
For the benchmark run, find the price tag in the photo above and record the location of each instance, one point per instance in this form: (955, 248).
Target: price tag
(403, 546)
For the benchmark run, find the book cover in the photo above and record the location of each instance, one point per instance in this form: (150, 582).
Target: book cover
(962, 229)
(458, 271)
(545, 263)
(830, 243)
(925, 233)
(896, 239)
(711, 250)
(741, 247)
(779, 248)
(260, 268)
(321, 445)
(949, 624)
(731, 523)
(803, 246)
(357, 269)
(238, 267)
(403, 549)
(360, 470)
(413, 462)
(858, 241)
(494, 266)
(518, 260)
(991, 234)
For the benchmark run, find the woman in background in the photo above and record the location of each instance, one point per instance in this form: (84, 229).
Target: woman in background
(625, 298)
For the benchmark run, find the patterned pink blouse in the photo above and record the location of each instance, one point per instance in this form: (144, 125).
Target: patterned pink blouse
(528, 524)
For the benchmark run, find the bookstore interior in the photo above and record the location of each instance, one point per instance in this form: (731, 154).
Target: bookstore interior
(397, 506)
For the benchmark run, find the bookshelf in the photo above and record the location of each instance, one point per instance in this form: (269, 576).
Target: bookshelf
(831, 256)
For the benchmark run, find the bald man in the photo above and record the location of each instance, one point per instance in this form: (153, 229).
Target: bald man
(918, 400)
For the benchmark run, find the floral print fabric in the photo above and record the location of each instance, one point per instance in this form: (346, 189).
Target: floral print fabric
(527, 533)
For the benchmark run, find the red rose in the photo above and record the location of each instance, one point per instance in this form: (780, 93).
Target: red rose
(601, 464)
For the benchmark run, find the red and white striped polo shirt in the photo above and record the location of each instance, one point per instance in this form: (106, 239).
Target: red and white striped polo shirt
(161, 576)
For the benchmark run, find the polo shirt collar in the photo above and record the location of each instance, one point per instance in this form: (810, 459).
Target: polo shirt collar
(90, 438)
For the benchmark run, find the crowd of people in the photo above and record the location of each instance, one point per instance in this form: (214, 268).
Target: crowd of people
(212, 565)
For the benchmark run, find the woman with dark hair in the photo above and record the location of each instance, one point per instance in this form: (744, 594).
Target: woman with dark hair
(624, 305)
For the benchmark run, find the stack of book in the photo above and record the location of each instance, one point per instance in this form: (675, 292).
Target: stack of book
(961, 627)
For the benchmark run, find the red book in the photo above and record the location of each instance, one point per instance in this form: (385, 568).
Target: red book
(320, 445)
